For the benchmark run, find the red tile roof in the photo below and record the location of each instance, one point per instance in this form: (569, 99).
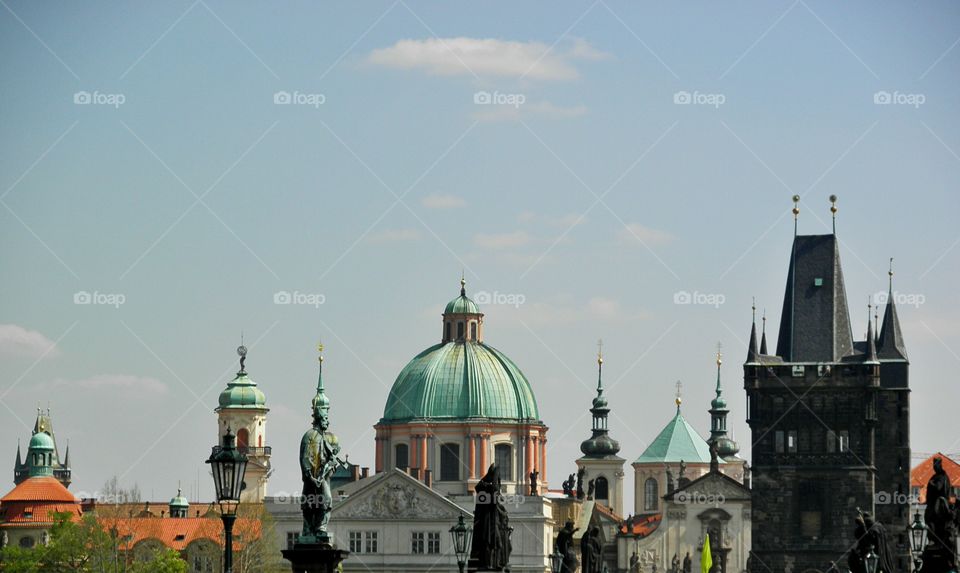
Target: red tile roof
(178, 532)
(40, 489)
(34, 514)
(641, 525)
(921, 474)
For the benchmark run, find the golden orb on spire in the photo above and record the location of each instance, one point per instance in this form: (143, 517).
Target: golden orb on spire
(796, 205)
(320, 351)
(833, 204)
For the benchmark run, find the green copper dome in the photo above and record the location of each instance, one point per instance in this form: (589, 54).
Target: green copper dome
(179, 501)
(242, 392)
(41, 441)
(458, 381)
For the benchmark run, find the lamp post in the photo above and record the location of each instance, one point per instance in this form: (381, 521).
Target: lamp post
(917, 533)
(229, 466)
(461, 535)
(871, 560)
(556, 561)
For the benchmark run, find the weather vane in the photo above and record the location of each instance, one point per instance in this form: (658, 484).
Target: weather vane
(242, 353)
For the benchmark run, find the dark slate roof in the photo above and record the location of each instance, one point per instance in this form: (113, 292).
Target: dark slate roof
(890, 344)
(815, 322)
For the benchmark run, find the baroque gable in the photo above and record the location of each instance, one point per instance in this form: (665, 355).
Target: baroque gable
(711, 487)
(396, 496)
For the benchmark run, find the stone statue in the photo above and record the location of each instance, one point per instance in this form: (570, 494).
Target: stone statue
(591, 488)
(491, 526)
(580, 473)
(591, 552)
(675, 564)
(564, 546)
(714, 456)
(870, 536)
(3, 539)
(318, 461)
(683, 469)
(941, 520)
(687, 564)
(534, 477)
(568, 486)
(634, 563)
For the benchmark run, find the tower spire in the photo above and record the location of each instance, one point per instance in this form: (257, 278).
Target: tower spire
(871, 342)
(763, 334)
(599, 367)
(752, 355)
(890, 342)
(321, 404)
(725, 446)
(679, 399)
(600, 444)
(796, 213)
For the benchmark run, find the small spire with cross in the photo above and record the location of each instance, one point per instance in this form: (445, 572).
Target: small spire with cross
(679, 398)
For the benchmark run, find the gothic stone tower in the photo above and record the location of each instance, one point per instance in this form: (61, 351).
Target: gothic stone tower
(830, 422)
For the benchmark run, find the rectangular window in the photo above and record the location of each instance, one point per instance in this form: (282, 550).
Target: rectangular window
(355, 542)
(449, 462)
(503, 456)
(792, 441)
(292, 537)
(416, 542)
(778, 438)
(831, 442)
(844, 441)
(370, 539)
(811, 510)
(401, 455)
(433, 542)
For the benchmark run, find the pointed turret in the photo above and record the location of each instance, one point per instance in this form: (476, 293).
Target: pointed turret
(752, 352)
(763, 335)
(871, 355)
(726, 447)
(890, 344)
(600, 443)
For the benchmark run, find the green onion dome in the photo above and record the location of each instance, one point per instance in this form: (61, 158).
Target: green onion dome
(242, 392)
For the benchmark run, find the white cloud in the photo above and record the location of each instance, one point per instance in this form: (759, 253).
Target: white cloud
(635, 233)
(502, 240)
(115, 382)
(485, 57)
(438, 201)
(17, 341)
(542, 109)
(394, 236)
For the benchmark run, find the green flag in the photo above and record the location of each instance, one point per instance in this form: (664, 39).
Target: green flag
(706, 559)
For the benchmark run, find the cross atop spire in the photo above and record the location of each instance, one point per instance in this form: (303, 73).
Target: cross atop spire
(679, 398)
(599, 367)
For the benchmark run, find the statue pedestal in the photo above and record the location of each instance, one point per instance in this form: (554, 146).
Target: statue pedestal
(314, 558)
(938, 559)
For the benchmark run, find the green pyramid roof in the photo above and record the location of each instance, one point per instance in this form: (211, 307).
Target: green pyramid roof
(677, 441)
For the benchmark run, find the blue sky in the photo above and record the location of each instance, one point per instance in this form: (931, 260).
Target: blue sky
(587, 189)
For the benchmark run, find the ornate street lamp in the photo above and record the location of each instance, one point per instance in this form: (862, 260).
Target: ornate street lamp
(461, 535)
(556, 562)
(871, 560)
(917, 533)
(229, 466)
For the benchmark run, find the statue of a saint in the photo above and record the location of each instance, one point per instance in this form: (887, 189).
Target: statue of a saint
(675, 564)
(564, 546)
(591, 487)
(318, 461)
(687, 564)
(580, 473)
(534, 477)
(591, 560)
(491, 526)
(870, 536)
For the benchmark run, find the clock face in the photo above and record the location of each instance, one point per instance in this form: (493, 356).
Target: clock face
(242, 350)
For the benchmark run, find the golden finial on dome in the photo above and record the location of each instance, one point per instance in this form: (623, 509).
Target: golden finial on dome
(320, 351)
(600, 351)
(678, 400)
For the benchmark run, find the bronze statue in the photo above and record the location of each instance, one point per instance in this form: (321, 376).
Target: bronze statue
(591, 552)
(534, 477)
(675, 564)
(564, 546)
(568, 486)
(870, 536)
(491, 526)
(580, 483)
(318, 461)
(687, 564)
(591, 487)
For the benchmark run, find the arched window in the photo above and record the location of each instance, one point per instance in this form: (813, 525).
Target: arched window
(473, 331)
(260, 441)
(503, 457)
(601, 489)
(460, 331)
(651, 495)
(401, 457)
(446, 331)
(243, 436)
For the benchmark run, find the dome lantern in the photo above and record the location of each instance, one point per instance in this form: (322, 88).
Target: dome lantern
(462, 319)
